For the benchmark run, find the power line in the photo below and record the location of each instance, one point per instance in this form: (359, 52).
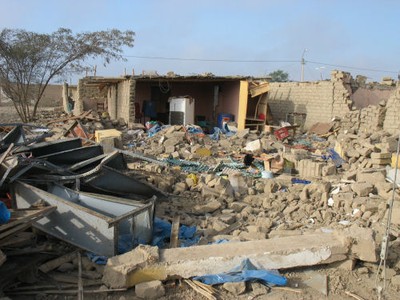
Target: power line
(211, 60)
(349, 67)
(259, 61)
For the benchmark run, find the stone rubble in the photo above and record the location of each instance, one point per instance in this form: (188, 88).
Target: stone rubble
(350, 197)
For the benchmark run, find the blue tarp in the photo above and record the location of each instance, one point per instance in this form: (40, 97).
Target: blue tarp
(246, 271)
(4, 213)
(162, 234)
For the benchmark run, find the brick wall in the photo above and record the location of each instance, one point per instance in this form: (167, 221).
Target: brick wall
(320, 101)
(392, 119)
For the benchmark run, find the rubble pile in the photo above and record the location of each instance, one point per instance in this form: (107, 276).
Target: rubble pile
(240, 190)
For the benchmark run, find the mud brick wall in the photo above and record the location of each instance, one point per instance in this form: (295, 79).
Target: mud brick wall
(372, 118)
(368, 119)
(123, 102)
(351, 121)
(392, 119)
(321, 100)
(88, 95)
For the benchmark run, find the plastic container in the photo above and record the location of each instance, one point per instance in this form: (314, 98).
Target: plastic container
(281, 133)
(224, 117)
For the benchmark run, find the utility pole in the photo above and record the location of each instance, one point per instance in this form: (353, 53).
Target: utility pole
(303, 62)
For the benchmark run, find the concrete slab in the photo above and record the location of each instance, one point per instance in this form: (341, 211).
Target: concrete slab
(279, 253)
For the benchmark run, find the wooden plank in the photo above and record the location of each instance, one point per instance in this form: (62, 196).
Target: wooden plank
(15, 229)
(242, 110)
(5, 154)
(81, 116)
(55, 263)
(65, 292)
(33, 214)
(18, 240)
(2, 257)
(80, 282)
(174, 243)
(259, 90)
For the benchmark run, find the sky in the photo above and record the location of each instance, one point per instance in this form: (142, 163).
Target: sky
(230, 37)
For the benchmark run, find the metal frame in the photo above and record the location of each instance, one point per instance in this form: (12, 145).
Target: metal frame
(90, 221)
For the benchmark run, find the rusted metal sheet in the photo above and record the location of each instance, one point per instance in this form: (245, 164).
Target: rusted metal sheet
(97, 223)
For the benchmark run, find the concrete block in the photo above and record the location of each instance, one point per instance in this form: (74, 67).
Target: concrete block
(381, 155)
(150, 290)
(118, 271)
(309, 168)
(371, 177)
(209, 207)
(173, 141)
(362, 189)
(381, 161)
(236, 288)
(396, 213)
(254, 146)
(363, 243)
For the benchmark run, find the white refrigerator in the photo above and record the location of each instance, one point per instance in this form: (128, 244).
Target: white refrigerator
(181, 110)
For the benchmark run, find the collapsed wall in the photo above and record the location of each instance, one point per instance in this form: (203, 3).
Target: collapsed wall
(319, 101)
(367, 119)
(392, 119)
(88, 96)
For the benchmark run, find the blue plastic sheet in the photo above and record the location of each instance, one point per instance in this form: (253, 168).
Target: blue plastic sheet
(98, 259)
(5, 214)
(153, 128)
(162, 234)
(302, 181)
(215, 134)
(338, 161)
(246, 271)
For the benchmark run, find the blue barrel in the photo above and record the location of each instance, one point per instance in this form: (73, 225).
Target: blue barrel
(224, 117)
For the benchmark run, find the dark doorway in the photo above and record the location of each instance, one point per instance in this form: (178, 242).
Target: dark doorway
(159, 95)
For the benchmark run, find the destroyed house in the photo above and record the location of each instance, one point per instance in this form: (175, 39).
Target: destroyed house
(209, 101)
(176, 99)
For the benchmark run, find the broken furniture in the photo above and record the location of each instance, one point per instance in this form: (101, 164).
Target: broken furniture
(97, 223)
(258, 119)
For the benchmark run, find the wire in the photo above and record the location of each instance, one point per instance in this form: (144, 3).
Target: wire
(210, 59)
(260, 61)
(349, 67)
(385, 240)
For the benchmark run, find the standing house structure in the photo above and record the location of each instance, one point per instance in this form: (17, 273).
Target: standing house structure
(139, 98)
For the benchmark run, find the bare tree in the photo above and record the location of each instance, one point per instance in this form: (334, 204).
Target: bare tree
(29, 60)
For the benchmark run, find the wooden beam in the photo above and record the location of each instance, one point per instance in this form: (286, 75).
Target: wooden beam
(242, 110)
(174, 243)
(55, 263)
(260, 89)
